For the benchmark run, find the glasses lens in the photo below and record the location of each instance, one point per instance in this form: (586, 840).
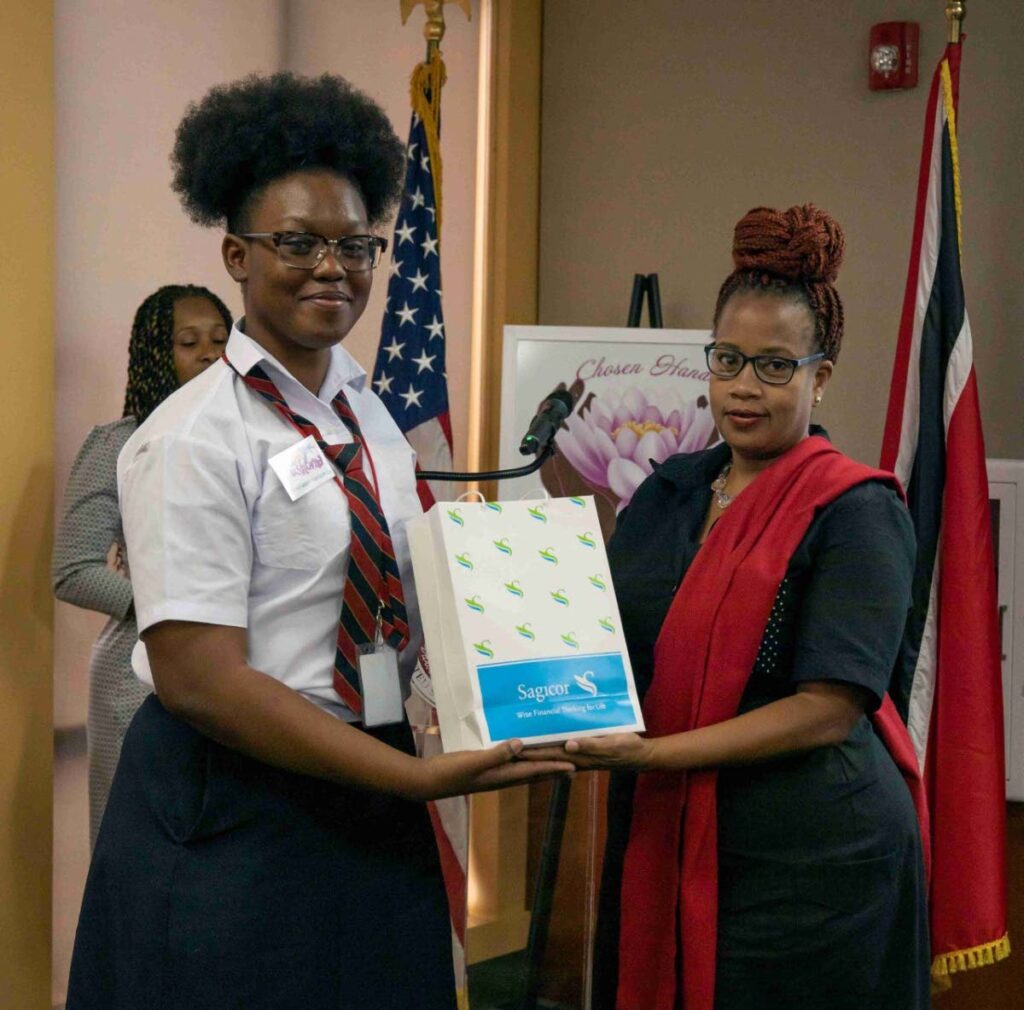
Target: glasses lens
(357, 253)
(777, 371)
(300, 250)
(722, 361)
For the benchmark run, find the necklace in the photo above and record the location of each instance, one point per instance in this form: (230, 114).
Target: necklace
(718, 487)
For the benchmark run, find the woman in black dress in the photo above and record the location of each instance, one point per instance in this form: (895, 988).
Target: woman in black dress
(763, 585)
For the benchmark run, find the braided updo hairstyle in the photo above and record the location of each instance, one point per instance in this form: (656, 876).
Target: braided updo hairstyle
(243, 136)
(151, 374)
(796, 254)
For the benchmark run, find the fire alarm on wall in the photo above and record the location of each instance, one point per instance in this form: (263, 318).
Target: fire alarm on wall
(892, 59)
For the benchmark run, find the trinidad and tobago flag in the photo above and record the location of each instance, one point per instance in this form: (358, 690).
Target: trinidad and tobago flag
(947, 684)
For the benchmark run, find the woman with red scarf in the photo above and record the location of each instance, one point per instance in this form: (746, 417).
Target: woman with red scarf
(764, 850)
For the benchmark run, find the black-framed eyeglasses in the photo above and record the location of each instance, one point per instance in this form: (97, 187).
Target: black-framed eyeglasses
(306, 250)
(727, 363)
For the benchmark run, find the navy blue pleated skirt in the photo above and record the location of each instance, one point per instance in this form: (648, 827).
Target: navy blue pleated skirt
(221, 883)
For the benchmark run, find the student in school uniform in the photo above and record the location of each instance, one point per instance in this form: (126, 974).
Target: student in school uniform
(266, 844)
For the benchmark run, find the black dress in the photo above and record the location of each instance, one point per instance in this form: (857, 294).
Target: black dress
(822, 899)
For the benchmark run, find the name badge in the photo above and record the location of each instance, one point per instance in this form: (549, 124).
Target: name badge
(379, 686)
(302, 467)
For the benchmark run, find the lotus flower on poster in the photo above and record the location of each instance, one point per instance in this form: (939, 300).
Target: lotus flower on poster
(611, 445)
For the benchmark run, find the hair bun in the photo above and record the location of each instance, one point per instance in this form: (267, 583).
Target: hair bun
(799, 244)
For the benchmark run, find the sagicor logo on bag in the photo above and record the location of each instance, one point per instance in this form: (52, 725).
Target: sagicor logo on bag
(584, 680)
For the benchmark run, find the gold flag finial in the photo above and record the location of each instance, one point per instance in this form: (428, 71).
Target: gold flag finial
(433, 30)
(956, 11)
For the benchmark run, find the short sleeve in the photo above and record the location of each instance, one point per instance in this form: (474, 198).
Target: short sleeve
(854, 606)
(188, 532)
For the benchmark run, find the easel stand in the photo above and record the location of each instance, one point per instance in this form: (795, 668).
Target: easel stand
(645, 285)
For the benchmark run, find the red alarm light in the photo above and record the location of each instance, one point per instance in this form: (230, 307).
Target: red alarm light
(892, 55)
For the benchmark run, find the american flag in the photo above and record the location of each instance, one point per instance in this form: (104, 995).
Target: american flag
(947, 685)
(409, 374)
(410, 377)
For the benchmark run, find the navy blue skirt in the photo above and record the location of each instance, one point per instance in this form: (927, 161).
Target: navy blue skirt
(220, 882)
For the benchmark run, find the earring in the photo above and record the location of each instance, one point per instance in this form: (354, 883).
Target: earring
(817, 400)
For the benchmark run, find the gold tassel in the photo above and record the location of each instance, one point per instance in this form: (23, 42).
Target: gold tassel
(425, 94)
(948, 964)
(947, 99)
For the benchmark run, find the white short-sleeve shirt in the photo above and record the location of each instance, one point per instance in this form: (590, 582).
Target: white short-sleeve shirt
(213, 536)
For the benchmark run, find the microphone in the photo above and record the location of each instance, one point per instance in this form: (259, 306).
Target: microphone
(550, 414)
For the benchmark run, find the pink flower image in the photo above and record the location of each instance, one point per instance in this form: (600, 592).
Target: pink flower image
(611, 446)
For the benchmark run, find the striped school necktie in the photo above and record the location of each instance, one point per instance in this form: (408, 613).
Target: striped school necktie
(373, 588)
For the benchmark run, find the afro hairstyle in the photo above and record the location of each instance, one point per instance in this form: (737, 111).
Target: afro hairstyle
(244, 135)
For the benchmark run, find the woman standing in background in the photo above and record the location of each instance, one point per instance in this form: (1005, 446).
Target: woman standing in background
(178, 331)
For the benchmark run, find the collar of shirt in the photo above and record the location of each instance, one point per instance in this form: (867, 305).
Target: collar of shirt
(343, 370)
(688, 470)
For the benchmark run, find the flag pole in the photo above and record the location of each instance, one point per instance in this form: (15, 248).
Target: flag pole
(956, 11)
(433, 30)
(427, 81)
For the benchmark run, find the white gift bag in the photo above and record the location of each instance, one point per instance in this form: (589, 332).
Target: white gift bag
(522, 628)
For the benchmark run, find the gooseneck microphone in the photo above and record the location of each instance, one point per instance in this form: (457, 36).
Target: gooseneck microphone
(551, 413)
(538, 441)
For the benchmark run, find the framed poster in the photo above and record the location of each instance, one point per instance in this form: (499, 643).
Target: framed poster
(638, 395)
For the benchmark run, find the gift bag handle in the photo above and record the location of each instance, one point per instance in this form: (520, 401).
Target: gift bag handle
(538, 493)
(531, 494)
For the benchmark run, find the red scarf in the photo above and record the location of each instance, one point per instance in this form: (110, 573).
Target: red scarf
(702, 661)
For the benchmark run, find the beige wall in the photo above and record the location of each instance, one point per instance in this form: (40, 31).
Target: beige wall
(26, 461)
(665, 121)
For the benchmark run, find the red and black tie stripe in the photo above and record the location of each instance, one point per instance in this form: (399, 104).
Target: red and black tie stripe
(373, 587)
